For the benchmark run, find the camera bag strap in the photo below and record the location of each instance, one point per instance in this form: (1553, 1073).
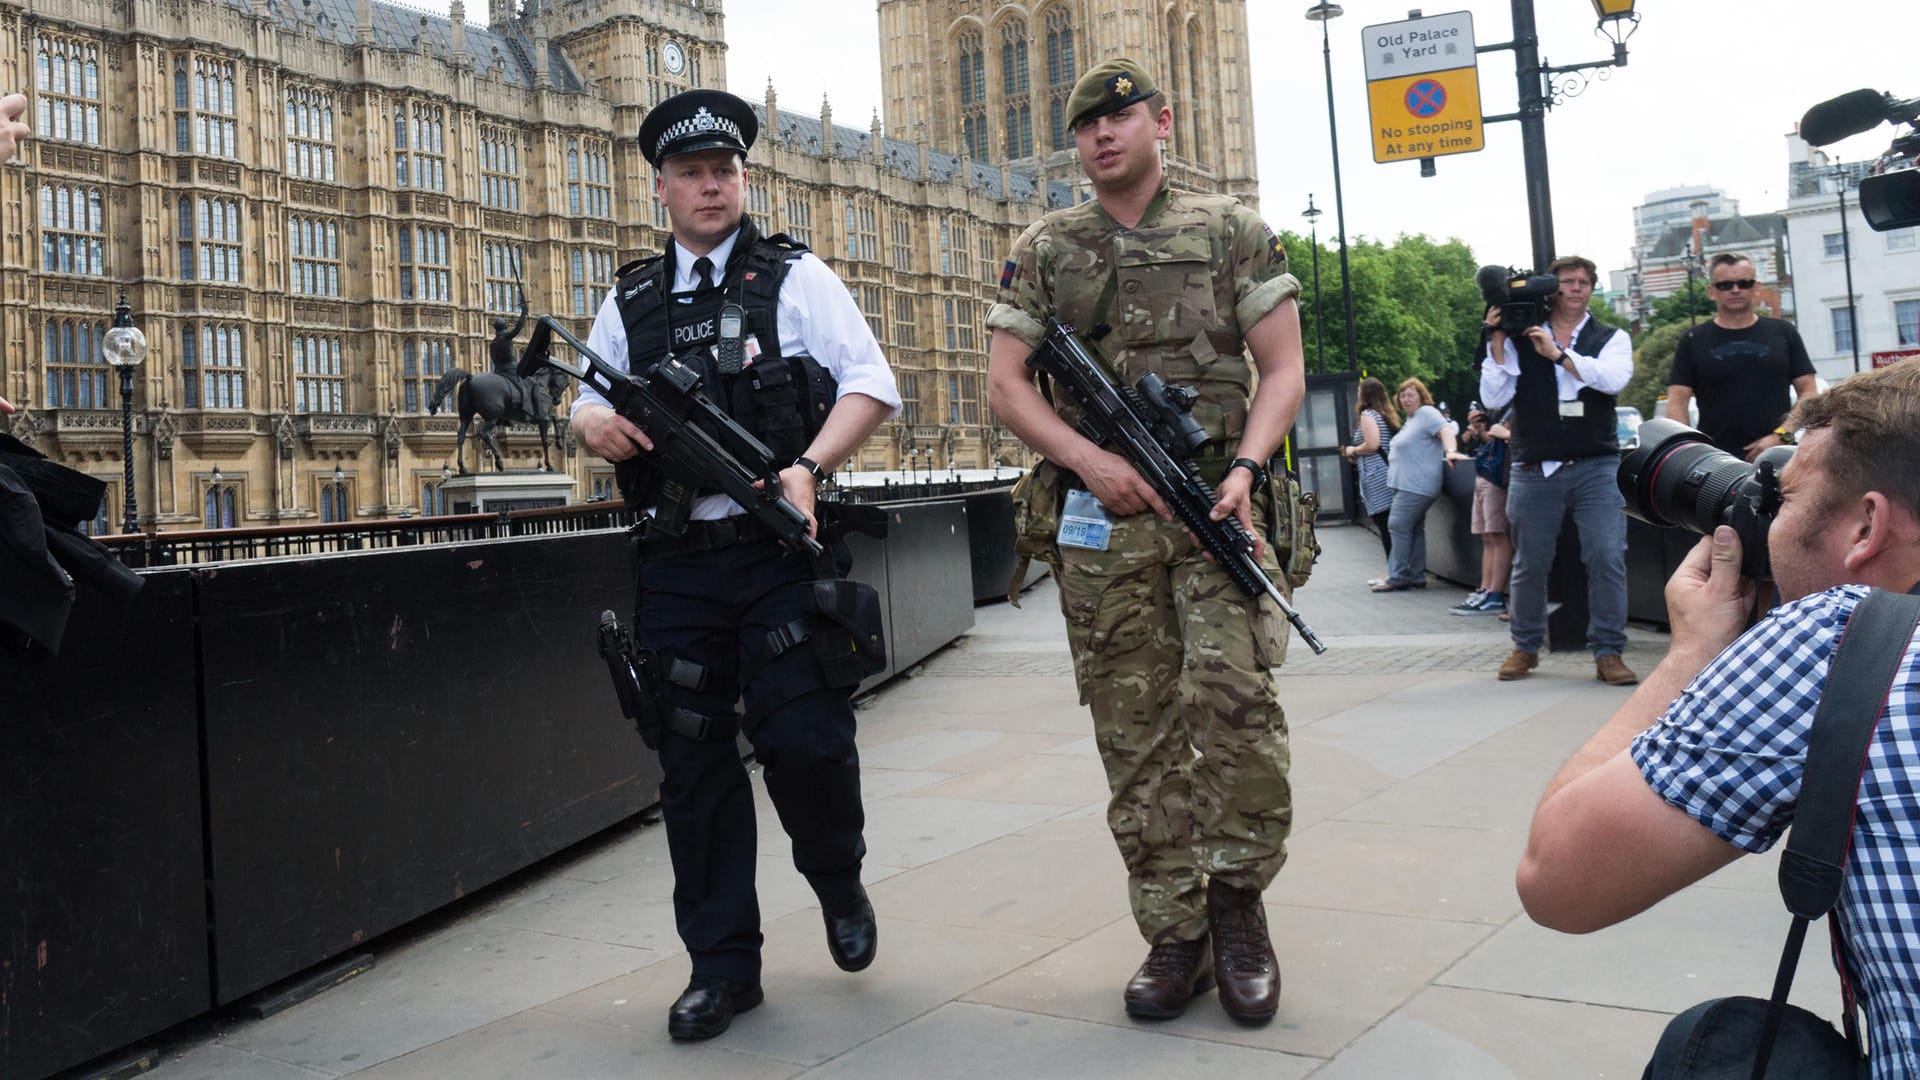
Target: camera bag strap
(1813, 868)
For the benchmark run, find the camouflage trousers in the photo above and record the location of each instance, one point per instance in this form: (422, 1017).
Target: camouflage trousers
(1177, 666)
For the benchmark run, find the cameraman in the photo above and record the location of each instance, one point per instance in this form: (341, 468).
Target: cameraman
(1562, 377)
(1640, 812)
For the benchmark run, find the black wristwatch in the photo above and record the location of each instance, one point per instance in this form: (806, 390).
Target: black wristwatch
(1252, 466)
(812, 466)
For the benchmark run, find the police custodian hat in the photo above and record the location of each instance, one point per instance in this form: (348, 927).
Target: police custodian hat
(697, 120)
(1108, 88)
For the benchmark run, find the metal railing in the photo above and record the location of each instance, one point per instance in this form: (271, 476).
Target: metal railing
(195, 547)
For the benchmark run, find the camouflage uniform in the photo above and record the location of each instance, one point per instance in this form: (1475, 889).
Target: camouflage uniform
(1169, 655)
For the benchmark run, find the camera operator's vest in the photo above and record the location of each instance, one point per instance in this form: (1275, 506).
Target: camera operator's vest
(782, 400)
(1540, 433)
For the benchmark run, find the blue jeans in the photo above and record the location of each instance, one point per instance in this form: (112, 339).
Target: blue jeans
(1536, 506)
(1407, 525)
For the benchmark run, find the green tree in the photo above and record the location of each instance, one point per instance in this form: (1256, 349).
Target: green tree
(1652, 363)
(1603, 312)
(1690, 302)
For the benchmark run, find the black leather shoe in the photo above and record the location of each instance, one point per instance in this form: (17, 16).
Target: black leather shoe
(852, 937)
(708, 1005)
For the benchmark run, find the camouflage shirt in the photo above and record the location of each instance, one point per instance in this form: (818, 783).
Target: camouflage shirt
(1188, 281)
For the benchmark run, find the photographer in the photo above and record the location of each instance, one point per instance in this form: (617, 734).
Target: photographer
(1562, 376)
(1642, 811)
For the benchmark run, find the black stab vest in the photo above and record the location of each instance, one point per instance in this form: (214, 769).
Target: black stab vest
(1540, 433)
(782, 400)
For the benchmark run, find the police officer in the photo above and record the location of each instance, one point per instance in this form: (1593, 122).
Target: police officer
(780, 346)
(1174, 661)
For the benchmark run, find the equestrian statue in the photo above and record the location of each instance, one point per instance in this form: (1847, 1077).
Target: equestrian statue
(501, 396)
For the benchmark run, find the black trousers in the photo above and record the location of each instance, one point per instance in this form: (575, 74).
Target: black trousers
(714, 609)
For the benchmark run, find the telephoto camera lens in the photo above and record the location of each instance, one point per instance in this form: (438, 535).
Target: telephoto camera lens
(1676, 478)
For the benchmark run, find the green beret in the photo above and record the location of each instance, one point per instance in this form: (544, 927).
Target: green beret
(1108, 88)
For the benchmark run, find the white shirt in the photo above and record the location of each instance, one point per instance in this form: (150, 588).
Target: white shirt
(1608, 373)
(816, 317)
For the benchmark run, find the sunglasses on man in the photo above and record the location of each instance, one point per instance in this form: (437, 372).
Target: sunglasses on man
(1734, 283)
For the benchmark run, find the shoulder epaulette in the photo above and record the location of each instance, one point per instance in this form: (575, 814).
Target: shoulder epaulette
(636, 265)
(788, 243)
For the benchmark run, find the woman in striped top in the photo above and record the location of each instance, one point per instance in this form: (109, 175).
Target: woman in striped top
(1376, 421)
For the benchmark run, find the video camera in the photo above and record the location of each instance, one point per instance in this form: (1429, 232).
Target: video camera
(1890, 193)
(1678, 478)
(1521, 296)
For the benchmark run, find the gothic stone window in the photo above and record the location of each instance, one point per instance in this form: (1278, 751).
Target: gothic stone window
(1061, 72)
(973, 94)
(205, 117)
(73, 230)
(502, 265)
(213, 366)
(420, 146)
(209, 238)
(590, 178)
(1015, 86)
(76, 366)
(592, 278)
(320, 382)
(66, 81)
(424, 260)
(422, 362)
(311, 152)
(313, 245)
(500, 168)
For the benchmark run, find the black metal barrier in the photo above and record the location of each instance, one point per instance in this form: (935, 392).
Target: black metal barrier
(103, 909)
(388, 731)
(261, 765)
(1453, 553)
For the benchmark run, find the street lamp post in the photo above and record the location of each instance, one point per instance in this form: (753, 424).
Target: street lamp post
(1617, 21)
(1312, 214)
(1846, 254)
(124, 347)
(1320, 13)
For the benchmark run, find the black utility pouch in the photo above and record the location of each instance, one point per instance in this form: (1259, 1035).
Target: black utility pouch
(850, 642)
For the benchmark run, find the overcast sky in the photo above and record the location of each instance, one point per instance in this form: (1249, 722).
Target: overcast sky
(1711, 90)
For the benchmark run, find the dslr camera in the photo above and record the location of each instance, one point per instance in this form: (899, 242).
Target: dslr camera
(1890, 192)
(1521, 295)
(1677, 479)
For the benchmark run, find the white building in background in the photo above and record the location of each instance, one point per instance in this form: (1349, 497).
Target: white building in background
(1885, 317)
(1662, 210)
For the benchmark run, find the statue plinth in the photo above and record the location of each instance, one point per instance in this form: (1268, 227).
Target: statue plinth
(484, 493)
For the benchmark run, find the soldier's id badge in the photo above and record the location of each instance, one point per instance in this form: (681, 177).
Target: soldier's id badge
(1084, 522)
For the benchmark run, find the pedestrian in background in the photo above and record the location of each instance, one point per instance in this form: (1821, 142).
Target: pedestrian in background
(1375, 422)
(1489, 515)
(1422, 450)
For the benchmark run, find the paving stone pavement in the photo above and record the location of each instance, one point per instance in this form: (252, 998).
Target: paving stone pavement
(1005, 938)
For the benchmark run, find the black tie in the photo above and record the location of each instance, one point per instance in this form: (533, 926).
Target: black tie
(704, 267)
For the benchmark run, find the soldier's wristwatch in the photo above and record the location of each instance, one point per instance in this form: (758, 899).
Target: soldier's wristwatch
(812, 466)
(1252, 466)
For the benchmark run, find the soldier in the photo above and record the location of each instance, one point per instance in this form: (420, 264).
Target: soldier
(1173, 660)
(780, 345)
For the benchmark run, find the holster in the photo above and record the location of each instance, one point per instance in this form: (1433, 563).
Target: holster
(851, 641)
(1036, 521)
(1290, 526)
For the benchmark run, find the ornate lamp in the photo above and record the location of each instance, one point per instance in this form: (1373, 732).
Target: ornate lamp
(125, 347)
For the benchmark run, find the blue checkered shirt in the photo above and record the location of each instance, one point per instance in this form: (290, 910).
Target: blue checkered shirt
(1729, 753)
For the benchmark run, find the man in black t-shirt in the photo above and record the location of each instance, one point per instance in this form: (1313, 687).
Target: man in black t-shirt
(1740, 365)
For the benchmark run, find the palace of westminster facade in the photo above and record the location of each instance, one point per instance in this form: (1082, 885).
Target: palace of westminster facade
(317, 207)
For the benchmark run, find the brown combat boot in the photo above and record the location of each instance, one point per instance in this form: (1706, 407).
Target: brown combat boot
(1518, 665)
(1243, 959)
(1172, 974)
(1613, 671)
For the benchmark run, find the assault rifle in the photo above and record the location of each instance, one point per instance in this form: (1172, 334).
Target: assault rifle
(1151, 425)
(695, 442)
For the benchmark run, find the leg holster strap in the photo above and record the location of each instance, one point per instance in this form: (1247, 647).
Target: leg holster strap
(691, 725)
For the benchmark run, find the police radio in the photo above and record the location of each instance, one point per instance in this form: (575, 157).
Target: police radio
(731, 353)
